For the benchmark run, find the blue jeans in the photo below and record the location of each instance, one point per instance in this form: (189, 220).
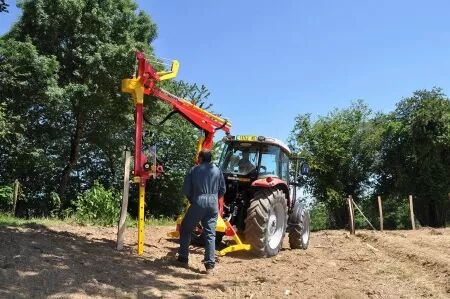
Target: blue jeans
(203, 209)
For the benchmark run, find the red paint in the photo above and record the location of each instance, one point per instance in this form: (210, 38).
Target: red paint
(266, 183)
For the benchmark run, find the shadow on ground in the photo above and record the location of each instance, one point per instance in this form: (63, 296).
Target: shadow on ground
(38, 262)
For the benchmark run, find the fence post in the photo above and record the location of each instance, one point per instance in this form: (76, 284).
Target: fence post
(380, 208)
(15, 196)
(352, 214)
(123, 210)
(411, 209)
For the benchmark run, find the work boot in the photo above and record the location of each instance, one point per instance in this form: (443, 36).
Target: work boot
(209, 270)
(183, 261)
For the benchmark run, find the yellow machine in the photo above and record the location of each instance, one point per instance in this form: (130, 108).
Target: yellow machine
(144, 83)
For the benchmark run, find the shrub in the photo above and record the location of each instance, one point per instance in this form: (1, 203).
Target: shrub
(98, 206)
(6, 198)
(319, 216)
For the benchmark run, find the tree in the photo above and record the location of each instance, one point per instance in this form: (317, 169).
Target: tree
(415, 154)
(93, 42)
(341, 149)
(28, 95)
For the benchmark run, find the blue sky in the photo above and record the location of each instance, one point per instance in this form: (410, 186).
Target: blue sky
(266, 62)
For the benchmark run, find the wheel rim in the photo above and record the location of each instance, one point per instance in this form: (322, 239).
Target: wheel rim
(275, 228)
(305, 233)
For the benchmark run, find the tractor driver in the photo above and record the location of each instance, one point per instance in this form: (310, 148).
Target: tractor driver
(245, 166)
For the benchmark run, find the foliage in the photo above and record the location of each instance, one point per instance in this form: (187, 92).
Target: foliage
(6, 198)
(353, 152)
(98, 206)
(67, 123)
(415, 155)
(340, 149)
(319, 216)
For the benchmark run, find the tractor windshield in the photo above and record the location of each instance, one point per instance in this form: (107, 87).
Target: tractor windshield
(264, 160)
(239, 158)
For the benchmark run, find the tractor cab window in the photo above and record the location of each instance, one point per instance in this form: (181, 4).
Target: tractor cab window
(270, 162)
(241, 158)
(284, 167)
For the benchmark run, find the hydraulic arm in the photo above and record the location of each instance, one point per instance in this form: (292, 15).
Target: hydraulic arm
(145, 83)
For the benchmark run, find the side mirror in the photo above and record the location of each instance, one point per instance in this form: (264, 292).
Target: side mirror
(304, 168)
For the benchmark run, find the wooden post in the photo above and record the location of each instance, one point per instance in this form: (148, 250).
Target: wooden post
(352, 215)
(123, 210)
(15, 196)
(411, 209)
(380, 208)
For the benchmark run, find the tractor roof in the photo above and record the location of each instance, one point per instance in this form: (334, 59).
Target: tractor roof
(259, 139)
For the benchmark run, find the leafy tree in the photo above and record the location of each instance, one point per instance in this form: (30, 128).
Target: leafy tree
(415, 154)
(93, 43)
(27, 89)
(341, 149)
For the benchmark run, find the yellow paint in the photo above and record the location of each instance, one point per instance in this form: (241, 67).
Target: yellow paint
(247, 138)
(135, 88)
(221, 226)
(141, 220)
(238, 247)
(166, 75)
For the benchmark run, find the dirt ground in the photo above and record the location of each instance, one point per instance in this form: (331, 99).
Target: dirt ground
(80, 262)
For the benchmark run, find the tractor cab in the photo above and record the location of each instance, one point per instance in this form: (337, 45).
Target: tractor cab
(249, 158)
(249, 164)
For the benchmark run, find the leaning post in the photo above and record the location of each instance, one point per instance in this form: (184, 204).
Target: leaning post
(123, 211)
(411, 209)
(380, 208)
(352, 215)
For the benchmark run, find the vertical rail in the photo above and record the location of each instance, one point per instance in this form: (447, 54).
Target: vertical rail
(123, 211)
(15, 196)
(352, 215)
(411, 209)
(141, 219)
(380, 208)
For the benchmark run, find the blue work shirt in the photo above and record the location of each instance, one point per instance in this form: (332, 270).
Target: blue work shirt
(204, 180)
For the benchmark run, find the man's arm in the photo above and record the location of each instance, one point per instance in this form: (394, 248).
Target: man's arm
(222, 187)
(187, 185)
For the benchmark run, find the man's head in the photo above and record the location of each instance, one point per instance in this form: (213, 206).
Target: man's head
(245, 155)
(204, 156)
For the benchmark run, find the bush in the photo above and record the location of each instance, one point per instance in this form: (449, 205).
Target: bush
(6, 198)
(320, 218)
(98, 206)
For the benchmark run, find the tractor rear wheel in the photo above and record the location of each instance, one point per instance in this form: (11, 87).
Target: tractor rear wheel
(299, 229)
(266, 222)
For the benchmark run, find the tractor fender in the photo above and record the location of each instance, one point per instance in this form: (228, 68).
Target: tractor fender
(273, 183)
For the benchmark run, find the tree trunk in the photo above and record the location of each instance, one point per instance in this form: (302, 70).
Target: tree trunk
(73, 158)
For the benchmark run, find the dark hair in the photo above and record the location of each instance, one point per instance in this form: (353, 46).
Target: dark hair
(205, 156)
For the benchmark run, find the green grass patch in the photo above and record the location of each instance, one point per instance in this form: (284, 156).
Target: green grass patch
(9, 220)
(152, 221)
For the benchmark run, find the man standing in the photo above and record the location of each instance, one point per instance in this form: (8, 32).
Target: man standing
(203, 185)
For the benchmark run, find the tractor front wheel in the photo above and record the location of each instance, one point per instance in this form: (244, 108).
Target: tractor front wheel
(266, 222)
(299, 229)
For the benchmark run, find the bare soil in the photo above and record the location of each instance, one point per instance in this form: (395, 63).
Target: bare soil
(81, 262)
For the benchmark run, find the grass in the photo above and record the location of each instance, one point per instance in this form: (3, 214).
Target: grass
(9, 220)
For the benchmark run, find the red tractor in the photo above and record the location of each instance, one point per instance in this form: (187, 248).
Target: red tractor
(260, 201)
